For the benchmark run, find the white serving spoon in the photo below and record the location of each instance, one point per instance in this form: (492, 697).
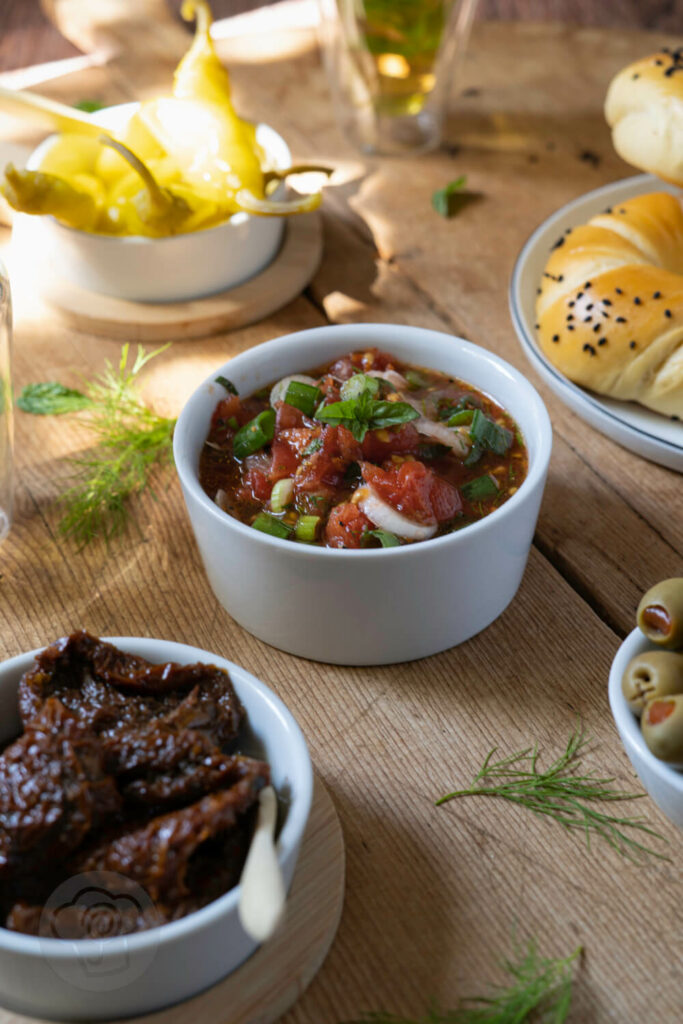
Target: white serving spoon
(262, 896)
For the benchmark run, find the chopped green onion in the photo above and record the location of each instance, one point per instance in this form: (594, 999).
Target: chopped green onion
(386, 539)
(281, 495)
(481, 487)
(304, 397)
(233, 424)
(415, 380)
(272, 526)
(306, 528)
(359, 383)
(254, 435)
(313, 446)
(458, 418)
(487, 434)
(227, 384)
(519, 438)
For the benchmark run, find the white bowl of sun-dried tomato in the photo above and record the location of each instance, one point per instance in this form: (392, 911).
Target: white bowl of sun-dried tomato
(107, 880)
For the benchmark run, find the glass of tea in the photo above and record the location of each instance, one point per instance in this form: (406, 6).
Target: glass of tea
(390, 65)
(6, 424)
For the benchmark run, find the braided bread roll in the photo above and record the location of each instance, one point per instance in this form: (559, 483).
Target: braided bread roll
(644, 109)
(610, 304)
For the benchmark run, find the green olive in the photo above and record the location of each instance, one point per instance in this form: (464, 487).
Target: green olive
(660, 613)
(652, 674)
(662, 726)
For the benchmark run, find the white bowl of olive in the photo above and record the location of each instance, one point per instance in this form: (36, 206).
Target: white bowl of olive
(646, 696)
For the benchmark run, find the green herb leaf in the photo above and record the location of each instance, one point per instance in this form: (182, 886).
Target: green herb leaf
(567, 793)
(539, 989)
(445, 200)
(481, 487)
(51, 399)
(89, 106)
(489, 435)
(365, 413)
(313, 446)
(227, 384)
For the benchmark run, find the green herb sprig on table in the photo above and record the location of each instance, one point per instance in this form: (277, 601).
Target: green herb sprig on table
(451, 199)
(567, 793)
(538, 985)
(130, 439)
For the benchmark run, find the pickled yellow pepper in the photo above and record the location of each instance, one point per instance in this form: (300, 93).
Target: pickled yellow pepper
(182, 162)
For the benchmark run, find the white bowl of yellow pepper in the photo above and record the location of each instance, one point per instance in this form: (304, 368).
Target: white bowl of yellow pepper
(167, 200)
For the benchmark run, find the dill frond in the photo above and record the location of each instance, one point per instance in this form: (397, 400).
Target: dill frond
(130, 439)
(566, 793)
(538, 985)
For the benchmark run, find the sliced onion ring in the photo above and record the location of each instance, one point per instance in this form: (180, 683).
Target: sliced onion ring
(385, 517)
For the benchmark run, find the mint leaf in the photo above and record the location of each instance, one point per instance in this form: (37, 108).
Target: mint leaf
(449, 200)
(51, 399)
(364, 413)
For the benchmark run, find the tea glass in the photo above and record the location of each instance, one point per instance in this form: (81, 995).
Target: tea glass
(391, 65)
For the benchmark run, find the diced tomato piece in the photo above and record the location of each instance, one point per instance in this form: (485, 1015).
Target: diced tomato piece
(285, 461)
(446, 500)
(298, 438)
(286, 417)
(226, 408)
(373, 359)
(325, 469)
(345, 526)
(415, 490)
(330, 388)
(405, 439)
(255, 486)
(349, 449)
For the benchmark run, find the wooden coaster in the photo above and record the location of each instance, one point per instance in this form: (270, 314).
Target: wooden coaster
(271, 980)
(281, 281)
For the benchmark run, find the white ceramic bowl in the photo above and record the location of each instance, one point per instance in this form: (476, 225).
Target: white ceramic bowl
(173, 269)
(134, 974)
(663, 783)
(367, 607)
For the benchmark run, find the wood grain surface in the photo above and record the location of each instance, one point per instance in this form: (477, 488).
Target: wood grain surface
(434, 895)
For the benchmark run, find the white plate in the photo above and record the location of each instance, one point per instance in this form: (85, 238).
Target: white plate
(642, 431)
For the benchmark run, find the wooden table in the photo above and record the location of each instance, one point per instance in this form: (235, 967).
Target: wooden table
(433, 895)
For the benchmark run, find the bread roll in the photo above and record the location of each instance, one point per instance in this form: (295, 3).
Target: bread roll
(644, 109)
(609, 308)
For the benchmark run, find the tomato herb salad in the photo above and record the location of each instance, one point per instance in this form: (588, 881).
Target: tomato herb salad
(363, 452)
